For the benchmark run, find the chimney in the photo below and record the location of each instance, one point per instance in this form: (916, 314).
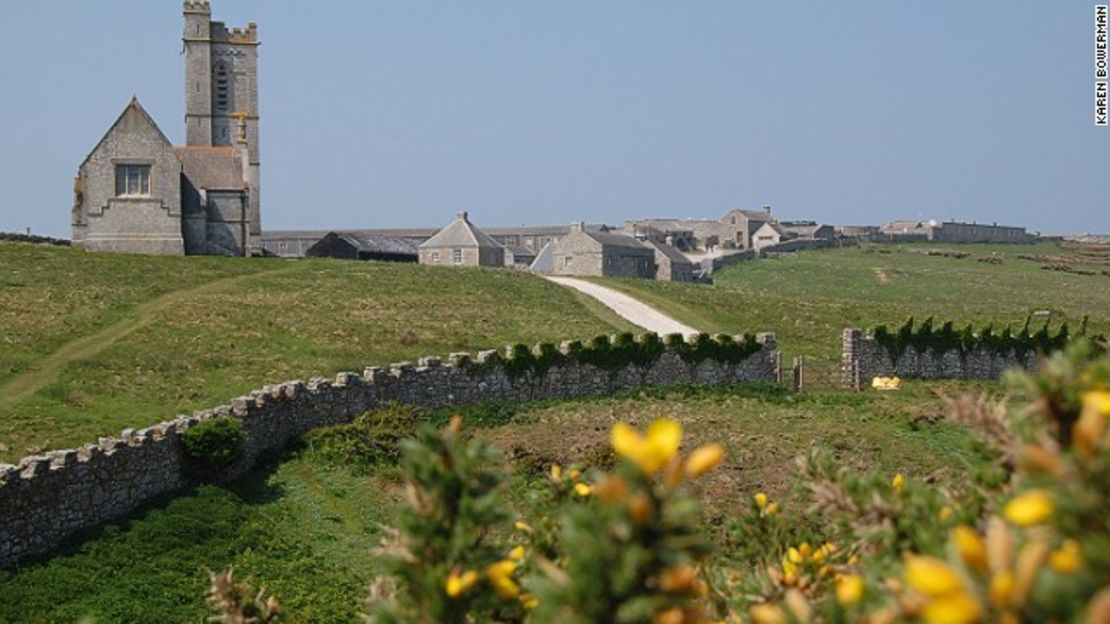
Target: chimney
(767, 209)
(462, 216)
(577, 226)
(670, 239)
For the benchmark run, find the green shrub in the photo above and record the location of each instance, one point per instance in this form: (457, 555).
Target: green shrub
(924, 337)
(369, 440)
(214, 445)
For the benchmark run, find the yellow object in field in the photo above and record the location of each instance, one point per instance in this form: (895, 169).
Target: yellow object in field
(886, 383)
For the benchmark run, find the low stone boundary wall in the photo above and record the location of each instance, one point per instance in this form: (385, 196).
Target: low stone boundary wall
(48, 498)
(863, 359)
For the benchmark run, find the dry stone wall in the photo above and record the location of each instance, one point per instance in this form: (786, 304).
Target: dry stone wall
(47, 498)
(863, 359)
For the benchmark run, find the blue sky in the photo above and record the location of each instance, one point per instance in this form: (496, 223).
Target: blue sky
(395, 114)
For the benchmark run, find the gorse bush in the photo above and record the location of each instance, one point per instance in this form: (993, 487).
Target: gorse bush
(443, 546)
(214, 445)
(926, 337)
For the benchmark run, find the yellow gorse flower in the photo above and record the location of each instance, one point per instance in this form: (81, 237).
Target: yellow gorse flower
(458, 584)
(650, 452)
(516, 554)
(1066, 559)
(1031, 508)
(529, 601)
(958, 608)
(761, 500)
(501, 578)
(849, 589)
(793, 555)
(897, 482)
(931, 576)
(521, 525)
(1001, 588)
(970, 547)
(582, 489)
(1090, 429)
(704, 459)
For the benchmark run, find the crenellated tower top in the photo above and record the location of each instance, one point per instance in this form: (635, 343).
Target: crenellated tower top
(201, 7)
(222, 34)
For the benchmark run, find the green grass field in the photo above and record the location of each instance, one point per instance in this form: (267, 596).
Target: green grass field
(810, 297)
(305, 527)
(95, 343)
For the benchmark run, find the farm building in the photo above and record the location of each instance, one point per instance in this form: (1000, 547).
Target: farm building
(462, 244)
(354, 246)
(584, 252)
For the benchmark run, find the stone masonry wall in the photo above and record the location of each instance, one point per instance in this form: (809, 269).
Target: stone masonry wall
(48, 498)
(874, 360)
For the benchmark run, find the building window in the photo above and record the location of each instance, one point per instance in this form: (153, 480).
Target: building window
(435, 257)
(132, 180)
(456, 256)
(568, 260)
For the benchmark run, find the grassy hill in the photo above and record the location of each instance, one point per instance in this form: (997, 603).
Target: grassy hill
(95, 343)
(809, 297)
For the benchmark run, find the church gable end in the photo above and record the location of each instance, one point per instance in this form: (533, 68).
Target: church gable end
(129, 190)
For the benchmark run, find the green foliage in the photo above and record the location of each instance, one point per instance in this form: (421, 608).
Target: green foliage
(612, 354)
(925, 338)
(214, 445)
(370, 440)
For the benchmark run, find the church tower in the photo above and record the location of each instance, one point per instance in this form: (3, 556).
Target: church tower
(221, 95)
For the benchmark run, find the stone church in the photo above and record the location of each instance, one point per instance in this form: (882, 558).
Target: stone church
(137, 193)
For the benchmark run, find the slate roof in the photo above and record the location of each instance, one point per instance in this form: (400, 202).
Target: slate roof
(212, 168)
(752, 215)
(617, 240)
(519, 251)
(672, 254)
(378, 244)
(460, 233)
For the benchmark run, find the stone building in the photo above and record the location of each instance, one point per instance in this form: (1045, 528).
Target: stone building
(954, 232)
(462, 244)
(670, 264)
(355, 246)
(136, 193)
(743, 224)
(583, 252)
(770, 235)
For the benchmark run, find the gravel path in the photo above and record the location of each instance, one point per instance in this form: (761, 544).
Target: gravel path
(633, 310)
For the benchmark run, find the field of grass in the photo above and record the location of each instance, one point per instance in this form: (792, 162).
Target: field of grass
(810, 297)
(94, 343)
(305, 527)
